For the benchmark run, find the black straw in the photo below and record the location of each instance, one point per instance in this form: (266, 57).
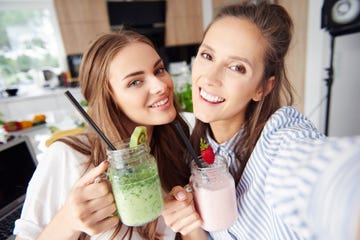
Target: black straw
(89, 120)
(187, 143)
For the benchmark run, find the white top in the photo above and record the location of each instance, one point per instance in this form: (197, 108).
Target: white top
(56, 173)
(277, 195)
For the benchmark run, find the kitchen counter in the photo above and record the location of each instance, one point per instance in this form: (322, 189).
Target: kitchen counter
(52, 103)
(60, 113)
(35, 93)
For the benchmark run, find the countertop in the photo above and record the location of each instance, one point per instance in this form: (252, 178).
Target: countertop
(33, 93)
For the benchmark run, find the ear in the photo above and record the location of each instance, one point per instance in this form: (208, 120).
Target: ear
(262, 92)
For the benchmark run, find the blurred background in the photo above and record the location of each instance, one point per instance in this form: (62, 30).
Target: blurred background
(42, 42)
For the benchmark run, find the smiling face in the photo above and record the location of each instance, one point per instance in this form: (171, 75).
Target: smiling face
(142, 87)
(227, 71)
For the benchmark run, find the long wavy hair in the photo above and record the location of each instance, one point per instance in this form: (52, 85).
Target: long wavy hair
(276, 27)
(166, 146)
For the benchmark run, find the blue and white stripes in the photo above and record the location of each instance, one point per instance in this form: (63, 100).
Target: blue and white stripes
(265, 199)
(333, 204)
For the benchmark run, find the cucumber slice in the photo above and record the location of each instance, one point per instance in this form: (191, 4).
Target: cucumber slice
(138, 136)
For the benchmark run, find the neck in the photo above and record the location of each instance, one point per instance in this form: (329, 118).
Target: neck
(223, 131)
(130, 126)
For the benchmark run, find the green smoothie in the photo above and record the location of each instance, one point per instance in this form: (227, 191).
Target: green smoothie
(137, 193)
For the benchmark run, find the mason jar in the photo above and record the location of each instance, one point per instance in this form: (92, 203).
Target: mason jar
(214, 192)
(135, 183)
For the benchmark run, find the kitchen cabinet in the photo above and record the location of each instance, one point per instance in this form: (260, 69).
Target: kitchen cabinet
(184, 22)
(81, 21)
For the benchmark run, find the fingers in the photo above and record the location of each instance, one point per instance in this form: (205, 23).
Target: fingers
(102, 202)
(187, 225)
(101, 226)
(179, 212)
(180, 194)
(93, 216)
(90, 204)
(107, 223)
(90, 177)
(177, 199)
(100, 214)
(184, 220)
(85, 189)
(97, 190)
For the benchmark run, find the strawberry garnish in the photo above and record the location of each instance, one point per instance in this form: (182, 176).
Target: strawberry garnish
(207, 152)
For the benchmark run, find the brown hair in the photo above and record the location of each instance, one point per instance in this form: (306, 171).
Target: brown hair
(276, 27)
(165, 144)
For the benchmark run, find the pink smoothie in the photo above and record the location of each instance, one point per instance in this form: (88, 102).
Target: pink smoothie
(216, 203)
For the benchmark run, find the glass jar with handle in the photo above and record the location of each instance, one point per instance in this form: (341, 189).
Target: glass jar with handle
(135, 183)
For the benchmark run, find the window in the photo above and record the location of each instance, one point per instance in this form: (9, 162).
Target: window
(30, 42)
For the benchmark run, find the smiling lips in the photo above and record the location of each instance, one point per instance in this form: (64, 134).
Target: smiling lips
(210, 98)
(160, 103)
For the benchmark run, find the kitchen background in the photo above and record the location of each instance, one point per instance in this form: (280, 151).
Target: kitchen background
(41, 57)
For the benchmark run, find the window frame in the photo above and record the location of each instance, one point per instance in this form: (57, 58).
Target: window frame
(41, 4)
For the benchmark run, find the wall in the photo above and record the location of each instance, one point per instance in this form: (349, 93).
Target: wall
(314, 84)
(344, 109)
(296, 58)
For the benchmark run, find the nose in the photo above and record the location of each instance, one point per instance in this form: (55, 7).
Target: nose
(213, 75)
(157, 86)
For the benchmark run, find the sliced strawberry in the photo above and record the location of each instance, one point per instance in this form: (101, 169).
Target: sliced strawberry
(207, 152)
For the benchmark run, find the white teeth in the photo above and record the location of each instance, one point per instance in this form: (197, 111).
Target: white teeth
(211, 98)
(162, 102)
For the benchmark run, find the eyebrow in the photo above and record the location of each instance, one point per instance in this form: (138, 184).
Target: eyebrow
(231, 56)
(141, 72)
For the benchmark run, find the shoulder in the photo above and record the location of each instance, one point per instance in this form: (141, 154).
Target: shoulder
(287, 136)
(287, 123)
(60, 150)
(62, 161)
(288, 117)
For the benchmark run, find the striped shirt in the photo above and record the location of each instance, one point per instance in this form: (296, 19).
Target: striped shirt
(226, 149)
(332, 206)
(286, 140)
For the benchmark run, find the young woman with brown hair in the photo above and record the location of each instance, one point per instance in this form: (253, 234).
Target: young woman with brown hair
(124, 81)
(242, 101)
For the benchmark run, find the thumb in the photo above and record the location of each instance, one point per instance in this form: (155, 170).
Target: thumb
(90, 177)
(180, 196)
(179, 193)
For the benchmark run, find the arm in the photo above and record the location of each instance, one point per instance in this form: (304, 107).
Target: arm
(301, 185)
(60, 204)
(181, 216)
(88, 209)
(332, 208)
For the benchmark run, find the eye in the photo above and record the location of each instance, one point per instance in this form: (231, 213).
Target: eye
(239, 68)
(134, 83)
(160, 70)
(206, 56)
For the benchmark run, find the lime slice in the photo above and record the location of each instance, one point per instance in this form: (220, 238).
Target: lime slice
(138, 136)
